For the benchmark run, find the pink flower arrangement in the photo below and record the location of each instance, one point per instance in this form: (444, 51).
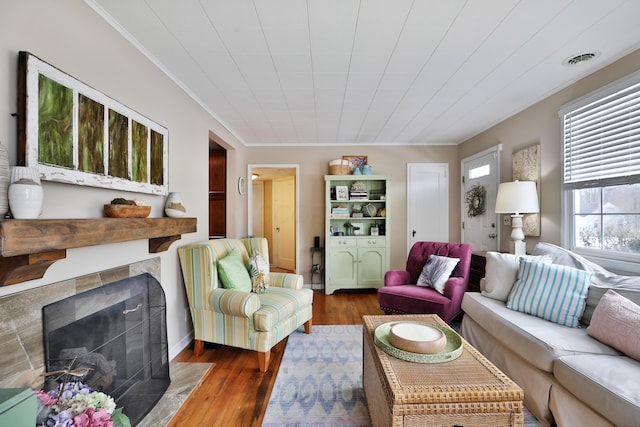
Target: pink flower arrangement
(92, 418)
(74, 404)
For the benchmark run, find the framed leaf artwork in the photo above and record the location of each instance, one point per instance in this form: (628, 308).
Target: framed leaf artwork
(74, 134)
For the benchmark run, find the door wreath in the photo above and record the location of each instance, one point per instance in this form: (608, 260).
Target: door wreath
(475, 200)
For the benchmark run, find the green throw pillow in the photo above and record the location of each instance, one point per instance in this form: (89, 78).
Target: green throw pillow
(233, 273)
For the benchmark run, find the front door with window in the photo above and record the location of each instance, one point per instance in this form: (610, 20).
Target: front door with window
(479, 188)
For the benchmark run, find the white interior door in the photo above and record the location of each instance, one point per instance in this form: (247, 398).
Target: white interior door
(479, 189)
(427, 203)
(284, 196)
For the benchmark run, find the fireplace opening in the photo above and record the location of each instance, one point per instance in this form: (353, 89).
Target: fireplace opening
(114, 338)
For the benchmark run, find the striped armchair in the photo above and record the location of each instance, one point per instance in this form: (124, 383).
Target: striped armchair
(236, 318)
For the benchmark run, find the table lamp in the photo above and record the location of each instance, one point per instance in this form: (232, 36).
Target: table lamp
(517, 197)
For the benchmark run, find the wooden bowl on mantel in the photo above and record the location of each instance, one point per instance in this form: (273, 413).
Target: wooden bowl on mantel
(126, 211)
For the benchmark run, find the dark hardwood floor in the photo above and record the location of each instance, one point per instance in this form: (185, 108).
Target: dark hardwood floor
(235, 393)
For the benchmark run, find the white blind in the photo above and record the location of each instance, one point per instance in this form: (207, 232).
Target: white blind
(602, 140)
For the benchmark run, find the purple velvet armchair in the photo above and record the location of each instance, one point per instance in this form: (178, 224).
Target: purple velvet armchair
(400, 293)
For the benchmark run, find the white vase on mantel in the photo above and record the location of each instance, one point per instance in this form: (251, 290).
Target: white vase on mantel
(173, 207)
(25, 193)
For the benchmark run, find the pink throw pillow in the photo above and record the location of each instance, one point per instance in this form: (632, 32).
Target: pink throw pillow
(616, 322)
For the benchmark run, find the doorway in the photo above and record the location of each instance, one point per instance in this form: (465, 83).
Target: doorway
(480, 178)
(217, 191)
(274, 212)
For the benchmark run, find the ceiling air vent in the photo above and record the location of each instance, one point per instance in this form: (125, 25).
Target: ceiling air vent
(578, 59)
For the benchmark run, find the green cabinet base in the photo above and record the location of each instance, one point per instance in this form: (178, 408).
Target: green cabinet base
(18, 407)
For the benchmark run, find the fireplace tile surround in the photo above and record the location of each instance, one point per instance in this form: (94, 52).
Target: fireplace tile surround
(22, 358)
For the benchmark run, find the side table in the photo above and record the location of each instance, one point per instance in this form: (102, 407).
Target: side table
(317, 267)
(476, 270)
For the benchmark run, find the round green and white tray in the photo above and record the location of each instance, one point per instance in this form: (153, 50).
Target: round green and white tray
(451, 351)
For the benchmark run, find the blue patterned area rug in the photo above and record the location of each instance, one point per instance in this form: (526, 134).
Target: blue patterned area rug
(320, 381)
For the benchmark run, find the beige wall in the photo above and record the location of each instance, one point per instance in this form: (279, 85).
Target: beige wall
(541, 124)
(71, 36)
(313, 162)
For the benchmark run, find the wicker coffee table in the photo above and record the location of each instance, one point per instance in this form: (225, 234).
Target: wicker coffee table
(467, 391)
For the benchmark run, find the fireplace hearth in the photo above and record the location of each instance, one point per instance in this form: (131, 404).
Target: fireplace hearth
(115, 338)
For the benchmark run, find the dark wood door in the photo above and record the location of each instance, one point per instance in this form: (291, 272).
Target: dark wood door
(217, 191)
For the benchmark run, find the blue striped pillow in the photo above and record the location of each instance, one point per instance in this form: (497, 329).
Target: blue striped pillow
(553, 292)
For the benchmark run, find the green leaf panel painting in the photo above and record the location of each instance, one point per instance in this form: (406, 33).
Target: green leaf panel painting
(55, 123)
(139, 135)
(90, 135)
(118, 145)
(157, 158)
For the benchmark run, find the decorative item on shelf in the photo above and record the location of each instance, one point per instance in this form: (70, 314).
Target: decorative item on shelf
(374, 231)
(357, 162)
(352, 229)
(4, 180)
(123, 208)
(366, 170)
(339, 167)
(382, 212)
(25, 193)
(476, 200)
(348, 227)
(342, 192)
(369, 210)
(358, 186)
(358, 191)
(173, 207)
(358, 229)
(356, 211)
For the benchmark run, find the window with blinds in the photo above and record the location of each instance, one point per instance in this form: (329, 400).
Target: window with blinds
(601, 170)
(602, 139)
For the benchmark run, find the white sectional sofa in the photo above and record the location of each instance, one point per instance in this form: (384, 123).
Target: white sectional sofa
(569, 377)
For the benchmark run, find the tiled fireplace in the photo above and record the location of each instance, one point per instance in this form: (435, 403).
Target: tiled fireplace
(114, 338)
(23, 359)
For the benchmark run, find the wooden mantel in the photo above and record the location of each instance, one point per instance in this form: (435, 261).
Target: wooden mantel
(28, 247)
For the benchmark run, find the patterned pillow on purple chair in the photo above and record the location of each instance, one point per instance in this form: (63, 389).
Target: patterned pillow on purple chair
(437, 271)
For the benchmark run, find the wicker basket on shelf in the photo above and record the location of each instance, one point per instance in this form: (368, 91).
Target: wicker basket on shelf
(340, 167)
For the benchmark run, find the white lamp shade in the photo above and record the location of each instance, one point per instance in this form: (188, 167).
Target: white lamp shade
(517, 197)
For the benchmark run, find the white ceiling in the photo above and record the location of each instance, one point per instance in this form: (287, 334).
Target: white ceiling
(333, 72)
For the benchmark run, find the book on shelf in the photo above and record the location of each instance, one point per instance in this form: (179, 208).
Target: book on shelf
(358, 196)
